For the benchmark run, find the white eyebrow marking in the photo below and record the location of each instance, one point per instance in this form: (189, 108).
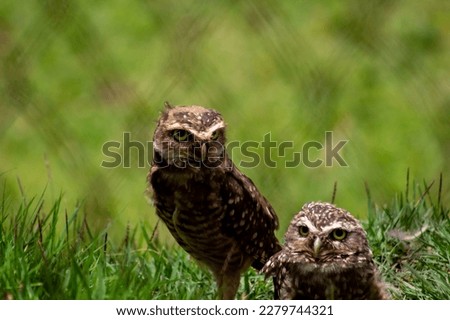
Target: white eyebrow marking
(306, 222)
(178, 126)
(207, 134)
(202, 134)
(336, 225)
(340, 225)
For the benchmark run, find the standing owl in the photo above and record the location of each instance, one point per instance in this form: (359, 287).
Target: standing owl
(212, 210)
(326, 256)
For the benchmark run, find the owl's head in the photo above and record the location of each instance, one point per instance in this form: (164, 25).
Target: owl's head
(189, 136)
(324, 235)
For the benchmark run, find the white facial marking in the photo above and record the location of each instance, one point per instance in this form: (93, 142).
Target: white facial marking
(306, 222)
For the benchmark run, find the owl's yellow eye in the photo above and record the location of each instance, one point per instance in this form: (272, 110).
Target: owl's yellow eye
(339, 234)
(303, 231)
(181, 135)
(215, 135)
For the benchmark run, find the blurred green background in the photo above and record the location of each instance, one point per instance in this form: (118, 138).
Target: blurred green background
(76, 74)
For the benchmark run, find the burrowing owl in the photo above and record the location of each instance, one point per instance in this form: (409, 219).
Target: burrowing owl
(212, 210)
(326, 256)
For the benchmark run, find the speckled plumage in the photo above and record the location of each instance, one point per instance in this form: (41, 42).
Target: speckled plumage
(212, 210)
(315, 263)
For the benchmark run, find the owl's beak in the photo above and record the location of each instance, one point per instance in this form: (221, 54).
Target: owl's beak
(316, 247)
(204, 151)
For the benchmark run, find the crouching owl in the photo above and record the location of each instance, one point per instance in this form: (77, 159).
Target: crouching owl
(212, 210)
(326, 256)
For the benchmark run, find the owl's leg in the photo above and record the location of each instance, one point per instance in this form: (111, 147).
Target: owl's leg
(228, 284)
(226, 279)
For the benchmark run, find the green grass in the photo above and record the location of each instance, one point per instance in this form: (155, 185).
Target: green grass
(48, 252)
(410, 239)
(76, 74)
(54, 254)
